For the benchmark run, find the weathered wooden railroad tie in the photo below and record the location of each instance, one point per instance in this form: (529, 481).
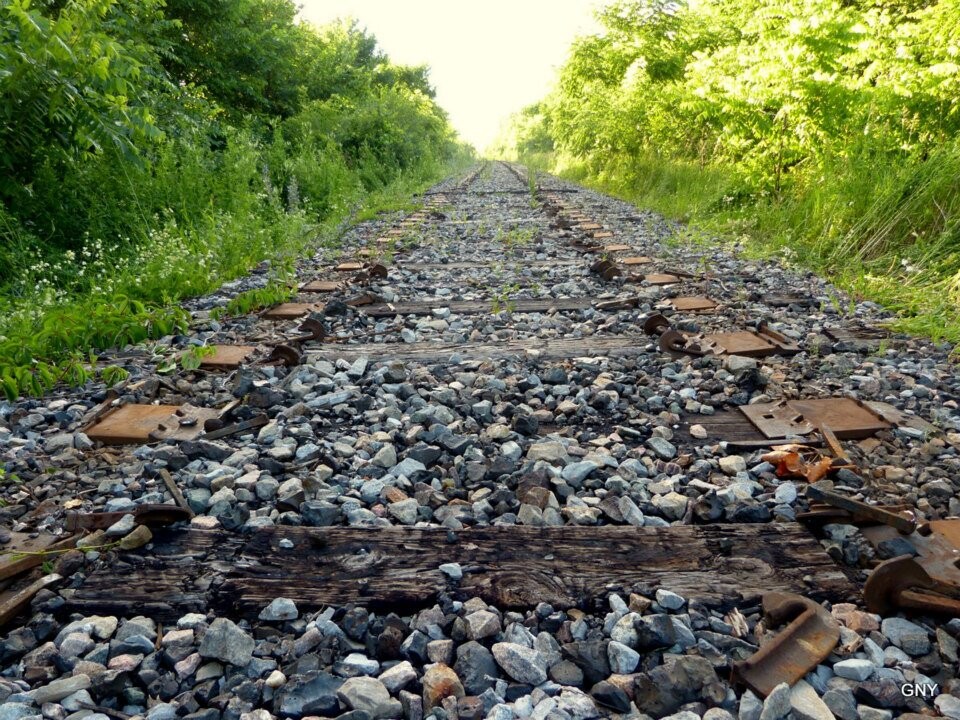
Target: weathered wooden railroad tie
(516, 567)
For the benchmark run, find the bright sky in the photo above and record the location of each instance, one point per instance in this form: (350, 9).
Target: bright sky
(488, 58)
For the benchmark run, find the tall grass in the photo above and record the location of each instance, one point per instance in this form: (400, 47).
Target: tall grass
(199, 217)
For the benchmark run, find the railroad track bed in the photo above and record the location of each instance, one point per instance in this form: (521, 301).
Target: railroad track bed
(497, 471)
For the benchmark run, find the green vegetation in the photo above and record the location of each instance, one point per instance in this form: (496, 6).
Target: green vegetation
(152, 150)
(823, 133)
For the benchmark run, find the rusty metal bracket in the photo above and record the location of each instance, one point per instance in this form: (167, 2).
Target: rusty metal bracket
(824, 513)
(810, 636)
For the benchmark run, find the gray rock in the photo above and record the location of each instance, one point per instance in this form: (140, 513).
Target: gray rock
(670, 600)
(521, 663)
(854, 669)
(575, 473)
(398, 676)
(806, 704)
(227, 642)
(59, 689)
(356, 664)
(622, 659)
(74, 644)
(750, 706)
(405, 512)
(16, 711)
(279, 609)
(452, 570)
(948, 705)
(733, 464)
(312, 694)
(551, 451)
(777, 703)
(476, 667)
(369, 695)
(908, 636)
(407, 468)
(662, 448)
(841, 703)
(385, 457)
(866, 712)
(482, 624)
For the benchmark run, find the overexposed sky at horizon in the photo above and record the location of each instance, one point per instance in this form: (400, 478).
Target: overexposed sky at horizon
(487, 59)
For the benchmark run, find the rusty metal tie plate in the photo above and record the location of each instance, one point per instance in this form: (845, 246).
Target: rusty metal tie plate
(599, 234)
(286, 311)
(227, 357)
(135, 424)
(750, 344)
(661, 279)
(618, 247)
(320, 286)
(848, 419)
(692, 303)
(589, 226)
(349, 267)
(636, 260)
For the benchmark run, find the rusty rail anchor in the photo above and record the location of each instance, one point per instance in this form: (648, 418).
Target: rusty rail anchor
(809, 637)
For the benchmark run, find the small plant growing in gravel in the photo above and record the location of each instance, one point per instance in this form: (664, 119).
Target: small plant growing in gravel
(273, 293)
(194, 355)
(113, 374)
(502, 299)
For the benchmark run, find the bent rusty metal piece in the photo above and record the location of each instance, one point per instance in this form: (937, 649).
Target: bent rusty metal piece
(285, 355)
(902, 583)
(677, 342)
(152, 515)
(656, 325)
(823, 513)
(747, 342)
(626, 303)
(216, 429)
(311, 328)
(904, 523)
(809, 637)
